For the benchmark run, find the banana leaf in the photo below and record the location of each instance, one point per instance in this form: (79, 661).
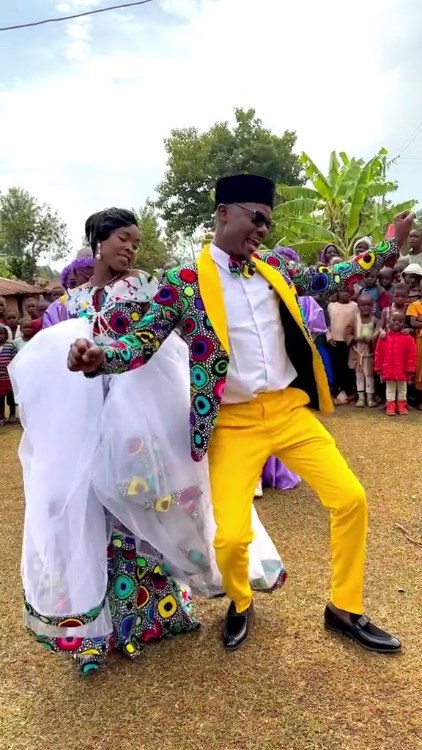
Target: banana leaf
(333, 170)
(295, 208)
(358, 199)
(378, 190)
(292, 192)
(345, 159)
(382, 219)
(348, 179)
(317, 178)
(311, 231)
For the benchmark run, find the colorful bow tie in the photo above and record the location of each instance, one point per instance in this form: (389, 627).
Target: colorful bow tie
(244, 267)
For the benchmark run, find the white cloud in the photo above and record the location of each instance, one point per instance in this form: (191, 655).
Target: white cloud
(182, 8)
(99, 138)
(75, 6)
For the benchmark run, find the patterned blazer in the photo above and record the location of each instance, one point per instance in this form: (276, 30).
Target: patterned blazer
(190, 298)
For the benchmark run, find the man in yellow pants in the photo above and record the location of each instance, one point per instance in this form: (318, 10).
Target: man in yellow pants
(254, 374)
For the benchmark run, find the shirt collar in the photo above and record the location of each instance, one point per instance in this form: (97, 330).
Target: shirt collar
(219, 256)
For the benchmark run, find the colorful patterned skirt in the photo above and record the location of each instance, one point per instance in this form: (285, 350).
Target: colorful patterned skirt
(145, 604)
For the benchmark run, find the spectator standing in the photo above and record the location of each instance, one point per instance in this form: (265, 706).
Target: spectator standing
(27, 333)
(362, 245)
(7, 352)
(3, 317)
(400, 302)
(414, 311)
(395, 361)
(386, 282)
(341, 319)
(364, 333)
(13, 324)
(412, 275)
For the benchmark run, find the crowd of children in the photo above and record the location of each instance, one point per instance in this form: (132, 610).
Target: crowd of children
(14, 334)
(372, 349)
(375, 340)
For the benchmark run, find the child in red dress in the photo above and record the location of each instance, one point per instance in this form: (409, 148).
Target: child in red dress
(395, 361)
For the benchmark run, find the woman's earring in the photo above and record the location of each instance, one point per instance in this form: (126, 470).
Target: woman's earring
(98, 254)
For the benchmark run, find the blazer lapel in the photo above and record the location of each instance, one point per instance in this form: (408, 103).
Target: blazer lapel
(284, 291)
(211, 292)
(288, 295)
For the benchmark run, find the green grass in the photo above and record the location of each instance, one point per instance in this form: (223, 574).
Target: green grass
(292, 686)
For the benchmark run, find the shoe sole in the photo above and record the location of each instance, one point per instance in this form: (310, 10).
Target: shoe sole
(235, 648)
(351, 637)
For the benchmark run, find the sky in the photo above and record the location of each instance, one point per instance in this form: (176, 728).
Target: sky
(85, 105)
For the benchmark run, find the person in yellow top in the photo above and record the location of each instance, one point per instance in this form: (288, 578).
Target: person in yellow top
(414, 312)
(254, 371)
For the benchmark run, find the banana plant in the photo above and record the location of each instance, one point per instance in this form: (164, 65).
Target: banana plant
(347, 203)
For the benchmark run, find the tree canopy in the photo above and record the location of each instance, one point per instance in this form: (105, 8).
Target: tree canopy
(347, 203)
(153, 251)
(195, 160)
(29, 230)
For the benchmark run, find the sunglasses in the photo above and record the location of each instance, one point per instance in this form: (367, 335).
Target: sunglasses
(257, 217)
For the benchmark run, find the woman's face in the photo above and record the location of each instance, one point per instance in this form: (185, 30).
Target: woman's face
(362, 247)
(330, 252)
(118, 251)
(3, 335)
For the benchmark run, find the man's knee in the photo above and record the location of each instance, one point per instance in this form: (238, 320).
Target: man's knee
(354, 496)
(231, 543)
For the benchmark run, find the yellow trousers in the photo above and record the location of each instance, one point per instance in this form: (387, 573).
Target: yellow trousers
(279, 424)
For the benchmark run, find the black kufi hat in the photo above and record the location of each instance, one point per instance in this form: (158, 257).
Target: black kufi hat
(244, 188)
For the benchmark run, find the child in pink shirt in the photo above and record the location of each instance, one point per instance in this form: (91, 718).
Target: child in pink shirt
(341, 316)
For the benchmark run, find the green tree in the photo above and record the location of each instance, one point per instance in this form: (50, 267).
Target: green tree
(47, 273)
(29, 230)
(153, 253)
(339, 207)
(5, 272)
(195, 160)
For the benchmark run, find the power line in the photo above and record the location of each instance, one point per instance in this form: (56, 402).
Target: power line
(75, 15)
(409, 140)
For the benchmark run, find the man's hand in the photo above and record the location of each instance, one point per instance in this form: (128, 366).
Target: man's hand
(84, 356)
(402, 225)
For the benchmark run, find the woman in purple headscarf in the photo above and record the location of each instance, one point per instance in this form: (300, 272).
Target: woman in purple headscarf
(328, 253)
(75, 274)
(275, 473)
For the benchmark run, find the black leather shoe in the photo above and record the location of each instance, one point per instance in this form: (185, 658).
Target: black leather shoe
(236, 627)
(363, 632)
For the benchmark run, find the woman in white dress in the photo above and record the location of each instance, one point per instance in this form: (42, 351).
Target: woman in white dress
(106, 469)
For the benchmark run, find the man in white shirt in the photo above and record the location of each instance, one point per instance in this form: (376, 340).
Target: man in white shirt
(254, 372)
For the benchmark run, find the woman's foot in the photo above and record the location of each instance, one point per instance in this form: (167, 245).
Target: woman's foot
(402, 408)
(371, 402)
(13, 419)
(360, 403)
(390, 409)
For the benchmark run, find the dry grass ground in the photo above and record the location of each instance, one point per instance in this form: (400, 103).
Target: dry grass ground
(292, 686)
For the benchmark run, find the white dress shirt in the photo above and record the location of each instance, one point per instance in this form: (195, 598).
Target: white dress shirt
(258, 357)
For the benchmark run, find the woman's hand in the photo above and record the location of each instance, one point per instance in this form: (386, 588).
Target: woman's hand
(84, 356)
